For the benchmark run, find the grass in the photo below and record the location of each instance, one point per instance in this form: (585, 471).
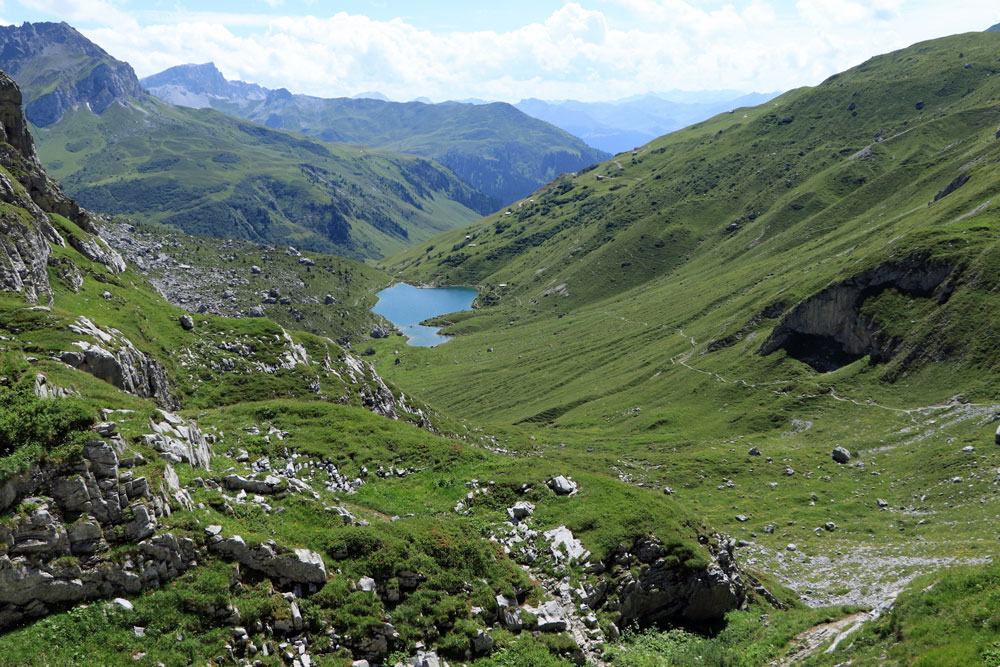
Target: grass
(206, 173)
(618, 341)
(621, 320)
(493, 147)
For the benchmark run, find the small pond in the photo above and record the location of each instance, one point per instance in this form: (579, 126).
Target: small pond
(407, 306)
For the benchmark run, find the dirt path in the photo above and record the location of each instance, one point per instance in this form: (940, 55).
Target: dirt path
(809, 641)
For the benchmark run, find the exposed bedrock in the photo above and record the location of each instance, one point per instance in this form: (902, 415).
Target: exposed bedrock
(829, 331)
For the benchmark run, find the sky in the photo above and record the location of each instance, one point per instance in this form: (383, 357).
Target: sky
(508, 50)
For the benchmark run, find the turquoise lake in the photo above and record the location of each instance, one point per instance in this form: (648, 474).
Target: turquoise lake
(407, 306)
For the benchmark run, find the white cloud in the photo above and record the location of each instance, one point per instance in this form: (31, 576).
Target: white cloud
(576, 52)
(82, 10)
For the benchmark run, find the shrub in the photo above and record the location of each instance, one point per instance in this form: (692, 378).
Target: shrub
(32, 428)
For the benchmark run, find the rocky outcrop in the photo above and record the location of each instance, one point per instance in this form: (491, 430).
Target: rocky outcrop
(374, 393)
(81, 509)
(828, 331)
(179, 441)
(661, 593)
(25, 235)
(114, 359)
(284, 567)
(78, 509)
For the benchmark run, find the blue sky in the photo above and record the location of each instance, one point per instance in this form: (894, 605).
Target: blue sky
(512, 49)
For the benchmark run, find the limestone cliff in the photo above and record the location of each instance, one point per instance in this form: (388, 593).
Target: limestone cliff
(87, 76)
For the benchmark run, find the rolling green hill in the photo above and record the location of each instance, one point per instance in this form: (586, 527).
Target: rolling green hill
(121, 151)
(494, 147)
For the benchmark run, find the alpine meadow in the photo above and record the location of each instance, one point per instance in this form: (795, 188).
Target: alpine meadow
(727, 398)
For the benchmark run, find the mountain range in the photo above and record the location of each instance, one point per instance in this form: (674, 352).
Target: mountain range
(122, 151)
(494, 147)
(621, 125)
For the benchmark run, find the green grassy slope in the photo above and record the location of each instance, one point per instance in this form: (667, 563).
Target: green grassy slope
(119, 150)
(495, 148)
(624, 318)
(722, 228)
(208, 174)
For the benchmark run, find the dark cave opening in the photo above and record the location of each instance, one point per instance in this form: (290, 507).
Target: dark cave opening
(822, 353)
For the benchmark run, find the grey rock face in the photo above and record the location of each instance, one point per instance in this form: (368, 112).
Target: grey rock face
(662, 593)
(97, 81)
(179, 441)
(123, 365)
(24, 248)
(834, 316)
(299, 566)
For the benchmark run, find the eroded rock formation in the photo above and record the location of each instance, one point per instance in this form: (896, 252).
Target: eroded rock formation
(828, 330)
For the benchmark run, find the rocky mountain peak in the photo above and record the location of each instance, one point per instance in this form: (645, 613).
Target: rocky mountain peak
(200, 79)
(86, 74)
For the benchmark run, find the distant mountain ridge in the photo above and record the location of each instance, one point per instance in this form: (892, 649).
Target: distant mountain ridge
(494, 147)
(622, 125)
(119, 150)
(206, 78)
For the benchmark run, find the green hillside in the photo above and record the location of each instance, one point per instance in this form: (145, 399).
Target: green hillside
(121, 151)
(207, 174)
(814, 272)
(184, 488)
(494, 147)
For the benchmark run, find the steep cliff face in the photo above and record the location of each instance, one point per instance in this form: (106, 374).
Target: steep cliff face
(87, 74)
(828, 330)
(26, 229)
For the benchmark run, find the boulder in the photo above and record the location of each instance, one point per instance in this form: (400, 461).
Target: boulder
(520, 510)
(267, 486)
(562, 486)
(142, 525)
(187, 322)
(378, 332)
(482, 642)
(666, 593)
(841, 455)
(300, 566)
(564, 546)
(551, 617)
